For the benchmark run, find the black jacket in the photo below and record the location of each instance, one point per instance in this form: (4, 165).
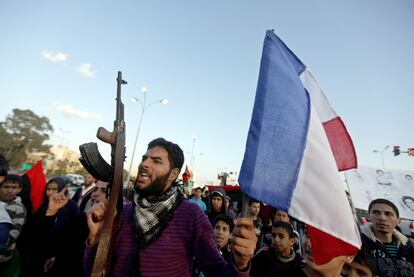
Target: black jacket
(266, 263)
(82, 201)
(387, 266)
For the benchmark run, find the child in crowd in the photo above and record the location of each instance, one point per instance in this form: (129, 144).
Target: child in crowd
(9, 188)
(279, 215)
(280, 256)
(98, 193)
(5, 220)
(223, 226)
(5, 226)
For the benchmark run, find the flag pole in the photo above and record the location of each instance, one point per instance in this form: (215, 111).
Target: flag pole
(245, 205)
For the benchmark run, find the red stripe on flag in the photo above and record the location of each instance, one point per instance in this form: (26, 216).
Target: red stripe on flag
(341, 144)
(325, 247)
(37, 184)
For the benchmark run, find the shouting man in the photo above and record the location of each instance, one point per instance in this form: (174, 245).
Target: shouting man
(161, 233)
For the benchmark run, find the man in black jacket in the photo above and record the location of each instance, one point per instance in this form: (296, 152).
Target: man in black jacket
(392, 251)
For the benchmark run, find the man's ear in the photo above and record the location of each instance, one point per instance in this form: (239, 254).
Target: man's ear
(292, 242)
(174, 174)
(2, 179)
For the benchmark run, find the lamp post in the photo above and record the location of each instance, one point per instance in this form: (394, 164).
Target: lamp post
(144, 107)
(382, 154)
(194, 160)
(64, 132)
(192, 153)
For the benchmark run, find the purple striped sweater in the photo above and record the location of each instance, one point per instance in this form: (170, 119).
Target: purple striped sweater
(188, 235)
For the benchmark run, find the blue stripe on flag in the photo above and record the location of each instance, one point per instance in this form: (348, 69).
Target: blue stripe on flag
(278, 128)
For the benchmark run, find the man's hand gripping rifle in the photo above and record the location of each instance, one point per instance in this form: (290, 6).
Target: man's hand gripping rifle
(93, 162)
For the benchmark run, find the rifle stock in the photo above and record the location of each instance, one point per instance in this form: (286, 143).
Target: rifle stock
(95, 164)
(101, 266)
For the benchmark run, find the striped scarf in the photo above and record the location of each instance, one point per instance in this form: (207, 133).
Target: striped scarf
(151, 217)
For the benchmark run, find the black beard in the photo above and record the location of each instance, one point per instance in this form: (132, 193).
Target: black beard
(156, 188)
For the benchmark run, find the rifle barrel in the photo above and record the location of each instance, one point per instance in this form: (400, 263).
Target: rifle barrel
(119, 104)
(101, 266)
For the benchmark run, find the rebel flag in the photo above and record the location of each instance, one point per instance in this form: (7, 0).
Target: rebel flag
(186, 175)
(36, 185)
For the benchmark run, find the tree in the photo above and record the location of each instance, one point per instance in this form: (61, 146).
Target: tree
(61, 167)
(81, 171)
(23, 131)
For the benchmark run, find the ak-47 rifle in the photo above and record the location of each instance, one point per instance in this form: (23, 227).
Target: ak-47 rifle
(97, 167)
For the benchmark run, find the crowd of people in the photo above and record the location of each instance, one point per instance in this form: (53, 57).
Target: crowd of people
(163, 231)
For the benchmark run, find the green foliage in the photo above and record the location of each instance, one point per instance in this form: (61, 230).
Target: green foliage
(23, 131)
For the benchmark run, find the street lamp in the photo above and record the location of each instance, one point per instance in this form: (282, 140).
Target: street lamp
(192, 153)
(382, 154)
(194, 160)
(144, 107)
(64, 132)
(60, 153)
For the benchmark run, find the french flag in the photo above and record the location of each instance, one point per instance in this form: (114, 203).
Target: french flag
(295, 146)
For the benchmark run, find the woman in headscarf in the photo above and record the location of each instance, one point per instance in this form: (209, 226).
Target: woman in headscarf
(56, 234)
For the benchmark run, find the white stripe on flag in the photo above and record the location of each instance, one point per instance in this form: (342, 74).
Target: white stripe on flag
(319, 198)
(318, 98)
(340, 142)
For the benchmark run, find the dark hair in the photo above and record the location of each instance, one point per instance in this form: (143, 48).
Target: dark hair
(198, 188)
(405, 198)
(252, 200)
(364, 257)
(286, 226)
(274, 212)
(14, 178)
(4, 166)
(175, 153)
(226, 219)
(383, 201)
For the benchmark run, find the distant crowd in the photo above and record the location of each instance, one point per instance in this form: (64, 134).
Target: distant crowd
(164, 231)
